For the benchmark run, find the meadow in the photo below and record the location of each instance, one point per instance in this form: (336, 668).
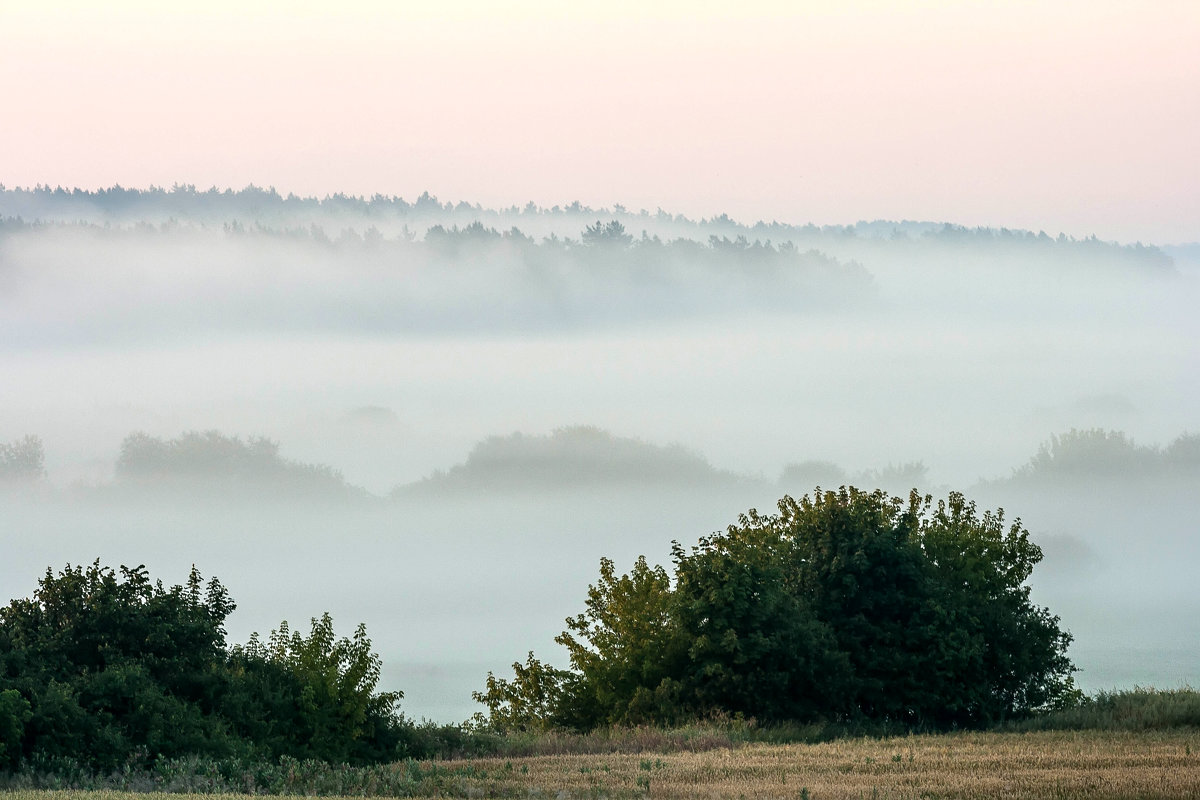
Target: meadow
(1042, 764)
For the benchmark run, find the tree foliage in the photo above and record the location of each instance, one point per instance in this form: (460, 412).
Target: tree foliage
(105, 666)
(610, 234)
(527, 702)
(317, 693)
(845, 605)
(622, 646)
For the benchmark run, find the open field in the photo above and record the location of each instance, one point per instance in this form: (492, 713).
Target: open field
(1062, 765)
(1057, 765)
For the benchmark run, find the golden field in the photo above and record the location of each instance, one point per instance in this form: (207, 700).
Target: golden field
(1062, 765)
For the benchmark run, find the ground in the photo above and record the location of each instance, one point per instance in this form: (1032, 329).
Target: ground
(1062, 765)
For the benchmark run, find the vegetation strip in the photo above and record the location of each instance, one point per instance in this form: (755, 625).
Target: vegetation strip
(1095, 764)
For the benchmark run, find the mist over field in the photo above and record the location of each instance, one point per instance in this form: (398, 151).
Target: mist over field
(436, 418)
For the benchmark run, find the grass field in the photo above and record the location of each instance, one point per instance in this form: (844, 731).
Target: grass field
(1062, 765)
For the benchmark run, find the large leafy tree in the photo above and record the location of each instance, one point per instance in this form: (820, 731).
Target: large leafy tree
(1009, 654)
(754, 646)
(929, 603)
(856, 558)
(845, 605)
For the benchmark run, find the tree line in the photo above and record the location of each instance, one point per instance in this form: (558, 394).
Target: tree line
(575, 455)
(184, 202)
(845, 606)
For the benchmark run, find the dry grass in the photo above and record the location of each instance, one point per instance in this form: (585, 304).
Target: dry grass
(1042, 765)
(1062, 765)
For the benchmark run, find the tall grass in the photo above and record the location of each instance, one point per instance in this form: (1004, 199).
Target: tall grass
(698, 737)
(288, 776)
(1067, 765)
(1131, 710)
(452, 761)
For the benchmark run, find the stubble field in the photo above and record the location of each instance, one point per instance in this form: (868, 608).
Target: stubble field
(1064, 765)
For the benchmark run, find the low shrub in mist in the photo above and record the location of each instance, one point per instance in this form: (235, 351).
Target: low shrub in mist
(210, 459)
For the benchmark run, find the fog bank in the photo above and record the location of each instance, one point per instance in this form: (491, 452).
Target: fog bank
(436, 419)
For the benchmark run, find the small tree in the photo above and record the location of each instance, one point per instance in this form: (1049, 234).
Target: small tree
(624, 646)
(110, 662)
(316, 694)
(531, 701)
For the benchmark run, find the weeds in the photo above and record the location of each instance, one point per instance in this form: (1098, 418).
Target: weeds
(1133, 710)
(621, 762)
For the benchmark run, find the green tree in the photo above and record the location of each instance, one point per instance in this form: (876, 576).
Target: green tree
(854, 557)
(1010, 654)
(318, 693)
(110, 661)
(532, 701)
(14, 714)
(755, 647)
(844, 605)
(625, 646)
(106, 667)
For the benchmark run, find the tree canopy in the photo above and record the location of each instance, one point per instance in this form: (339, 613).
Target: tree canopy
(105, 666)
(846, 605)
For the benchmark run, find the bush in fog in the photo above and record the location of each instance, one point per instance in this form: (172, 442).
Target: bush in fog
(1183, 453)
(1101, 453)
(213, 457)
(22, 460)
(579, 455)
(846, 605)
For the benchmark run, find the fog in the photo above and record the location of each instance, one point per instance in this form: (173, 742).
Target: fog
(436, 418)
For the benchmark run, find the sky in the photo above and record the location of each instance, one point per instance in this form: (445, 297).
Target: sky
(1075, 117)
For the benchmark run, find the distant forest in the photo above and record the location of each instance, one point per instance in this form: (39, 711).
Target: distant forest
(347, 218)
(577, 457)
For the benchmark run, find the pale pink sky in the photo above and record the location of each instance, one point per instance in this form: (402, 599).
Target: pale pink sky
(1081, 117)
